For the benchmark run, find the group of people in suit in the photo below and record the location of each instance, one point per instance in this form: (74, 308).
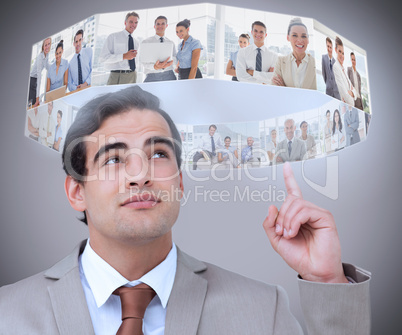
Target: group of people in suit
(343, 129)
(74, 74)
(257, 64)
(342, 84)
(120, 53)
(212, 149)
(43, 128)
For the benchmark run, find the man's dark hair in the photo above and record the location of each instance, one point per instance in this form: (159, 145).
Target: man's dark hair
(79, 32)
(91, 116)
(258, 23)
(161, 17)
(328, 40)
(212, 126)
(352, 54)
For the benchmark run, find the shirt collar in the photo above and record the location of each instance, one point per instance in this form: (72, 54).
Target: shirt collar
(157, 37)
(190, 38)
(127, 33)
(254, 47)
(160, 278)
(304, 60)
(292, 139)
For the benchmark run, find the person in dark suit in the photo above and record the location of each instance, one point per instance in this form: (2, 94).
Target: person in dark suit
(130, 215)
(327, 72)
(356, 81)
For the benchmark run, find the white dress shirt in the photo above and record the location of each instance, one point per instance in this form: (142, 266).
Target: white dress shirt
(115, 46)
(149, 67)
(46, 125)
(41, 62)
(344, 84)
(299, 72)
(246, 59)
(99, 281)
(207, 145)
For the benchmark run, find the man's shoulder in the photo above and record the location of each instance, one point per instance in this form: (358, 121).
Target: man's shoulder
(222, 281)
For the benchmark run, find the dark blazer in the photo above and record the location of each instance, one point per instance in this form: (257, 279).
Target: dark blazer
(205, 300)
(329, 78)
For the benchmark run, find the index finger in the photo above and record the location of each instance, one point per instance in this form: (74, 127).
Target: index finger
(291, 185)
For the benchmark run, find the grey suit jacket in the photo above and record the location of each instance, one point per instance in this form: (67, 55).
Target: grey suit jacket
(283, 68)
(329, 78)
(298, 150)
(358, 85)
(352, 133)
(205, 299)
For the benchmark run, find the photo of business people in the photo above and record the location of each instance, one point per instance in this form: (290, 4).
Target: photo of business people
(62, 63)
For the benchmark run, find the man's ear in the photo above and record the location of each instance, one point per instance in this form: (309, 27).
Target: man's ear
(75, 194)
(181, 185)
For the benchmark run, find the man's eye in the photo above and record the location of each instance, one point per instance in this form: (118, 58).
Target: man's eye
(114, 160)
(159, 154)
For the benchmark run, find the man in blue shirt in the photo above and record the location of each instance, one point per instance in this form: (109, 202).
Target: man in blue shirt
(80, 67)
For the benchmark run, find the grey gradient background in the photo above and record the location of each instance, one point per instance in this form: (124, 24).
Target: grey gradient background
(38, 227)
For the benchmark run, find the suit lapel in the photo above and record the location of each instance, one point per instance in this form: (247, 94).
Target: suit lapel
(287, 63)
(67, 296)
(186, 300)
(310, 75)
(70, 306)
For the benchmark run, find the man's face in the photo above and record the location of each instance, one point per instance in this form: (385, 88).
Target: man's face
(50, 108)
(78, 43)
(259, 34)
(212, 131)
(329, 49)
(160, 27)
(47, 45)
(353, 59)
(131, 23)
(289, 129)
(135, 197)
(250, 141)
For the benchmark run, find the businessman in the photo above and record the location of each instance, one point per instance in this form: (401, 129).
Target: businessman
(351, 119)
(160, 70)
(208, 148)
(255, 63)
(291, 148)
(124, 176)
(356, 81)
(120, 51)
(80, 66)
(327, 63)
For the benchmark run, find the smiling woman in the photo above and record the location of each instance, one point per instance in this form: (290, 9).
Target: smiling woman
(298, 68)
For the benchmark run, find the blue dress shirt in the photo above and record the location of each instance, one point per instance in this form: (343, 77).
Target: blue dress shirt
(185, 55)
(86, 66)
(57, 79)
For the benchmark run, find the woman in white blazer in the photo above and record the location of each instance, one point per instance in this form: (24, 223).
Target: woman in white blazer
(345, 87)
(298, 68)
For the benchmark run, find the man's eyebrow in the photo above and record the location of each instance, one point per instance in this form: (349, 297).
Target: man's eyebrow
(108, 147)
(159, 139)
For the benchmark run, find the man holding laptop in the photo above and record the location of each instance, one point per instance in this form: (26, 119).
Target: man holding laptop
(158, 54)
(119, 52)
